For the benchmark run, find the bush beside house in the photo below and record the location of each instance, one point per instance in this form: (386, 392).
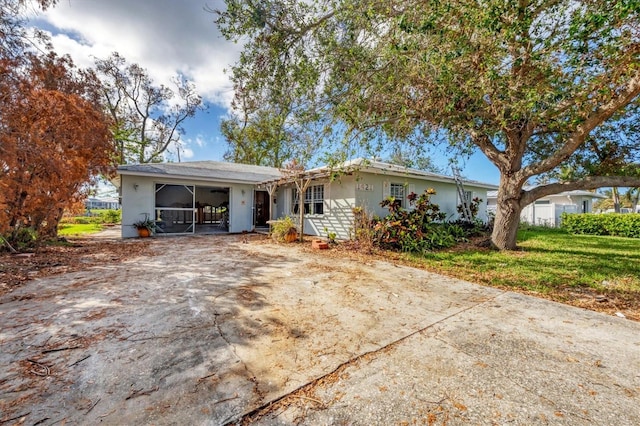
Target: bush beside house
(418, 229)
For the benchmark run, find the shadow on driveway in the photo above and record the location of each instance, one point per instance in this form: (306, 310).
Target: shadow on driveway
(216, 330)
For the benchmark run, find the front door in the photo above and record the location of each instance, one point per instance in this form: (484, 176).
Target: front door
(262, 208)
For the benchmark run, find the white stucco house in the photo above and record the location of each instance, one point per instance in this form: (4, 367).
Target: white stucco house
(547, 211)
(192, 197)
(210, 196)
(102, 203)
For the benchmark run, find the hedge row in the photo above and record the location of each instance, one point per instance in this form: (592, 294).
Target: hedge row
(105, 216)
(620, 225)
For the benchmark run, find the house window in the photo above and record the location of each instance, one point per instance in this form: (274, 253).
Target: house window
(313, 200)
(317, 199)
(396, 190)
(542, 202)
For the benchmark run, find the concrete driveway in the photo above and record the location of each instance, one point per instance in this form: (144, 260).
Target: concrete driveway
(219, 330)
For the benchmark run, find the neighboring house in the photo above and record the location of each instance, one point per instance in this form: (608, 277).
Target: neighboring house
(547, 211)
(102, 203)
(181, 195)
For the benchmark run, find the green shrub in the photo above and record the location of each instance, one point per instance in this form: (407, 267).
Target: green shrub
(419, 229)
(331, 236)
(111, 216)
(474, 208)
(20, 239)
(104, 216)
(615, 224)
(282, 228)
(81, 220)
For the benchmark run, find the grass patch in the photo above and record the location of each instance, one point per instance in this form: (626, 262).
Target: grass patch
(67, 229)
(550, 262)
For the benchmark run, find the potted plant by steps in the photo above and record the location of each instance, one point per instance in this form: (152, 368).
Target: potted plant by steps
(284, 229)
(145, 226)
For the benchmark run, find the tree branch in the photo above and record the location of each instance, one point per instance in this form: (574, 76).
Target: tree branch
(483, 142)
(577, 138)
(591, 182)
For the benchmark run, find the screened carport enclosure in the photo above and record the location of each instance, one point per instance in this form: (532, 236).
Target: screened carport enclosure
(186, 209)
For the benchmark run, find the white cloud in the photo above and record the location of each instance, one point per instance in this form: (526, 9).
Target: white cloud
(166, 37)
(200, 141)
(186, 153)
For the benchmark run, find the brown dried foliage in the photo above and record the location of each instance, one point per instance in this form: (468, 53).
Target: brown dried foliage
(55, 139)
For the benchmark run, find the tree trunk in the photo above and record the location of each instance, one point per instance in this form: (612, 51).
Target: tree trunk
(616, 199)
(47, 226)
(505, 227)
(301, 214)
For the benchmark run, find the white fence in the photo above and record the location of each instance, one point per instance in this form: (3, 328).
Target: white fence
(542, 214)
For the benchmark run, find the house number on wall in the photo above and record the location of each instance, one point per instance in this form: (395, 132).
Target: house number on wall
(364, 187)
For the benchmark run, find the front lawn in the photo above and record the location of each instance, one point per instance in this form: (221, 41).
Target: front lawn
(88, 224)
(66, 229)
(597, 272)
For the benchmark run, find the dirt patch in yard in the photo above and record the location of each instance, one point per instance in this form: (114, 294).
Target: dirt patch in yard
(66, 256)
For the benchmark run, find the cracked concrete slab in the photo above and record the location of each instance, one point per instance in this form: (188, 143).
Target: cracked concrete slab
(512, 360)
(209, 329)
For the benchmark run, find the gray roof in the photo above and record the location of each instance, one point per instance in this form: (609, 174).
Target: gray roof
(379, 167)
(387, 168)
(204, 170)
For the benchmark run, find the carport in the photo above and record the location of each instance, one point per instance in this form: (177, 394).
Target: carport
(194, 197)
(185, 209)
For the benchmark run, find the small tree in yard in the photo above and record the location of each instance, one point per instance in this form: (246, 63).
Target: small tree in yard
(528, 83)
(53, 136)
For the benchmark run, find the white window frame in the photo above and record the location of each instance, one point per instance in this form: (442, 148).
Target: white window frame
(316, 206)
(313, 198)
(398, 192)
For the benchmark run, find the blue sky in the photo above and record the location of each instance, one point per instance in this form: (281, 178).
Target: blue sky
(169, 37)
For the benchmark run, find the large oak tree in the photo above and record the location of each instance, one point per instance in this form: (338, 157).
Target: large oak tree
(271, 123)
(526, 82)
